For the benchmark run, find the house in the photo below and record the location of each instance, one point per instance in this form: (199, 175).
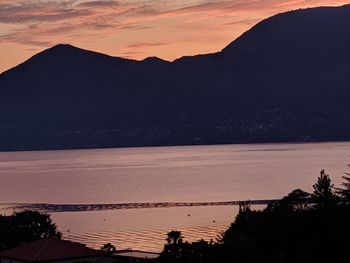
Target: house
(51, 250)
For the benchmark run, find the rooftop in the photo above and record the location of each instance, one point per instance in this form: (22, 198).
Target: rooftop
(50, 249)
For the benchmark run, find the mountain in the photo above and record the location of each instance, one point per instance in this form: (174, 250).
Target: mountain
(286, 79)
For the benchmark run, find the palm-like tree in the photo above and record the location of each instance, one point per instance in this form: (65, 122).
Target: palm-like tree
(109, 248)
(174, 237)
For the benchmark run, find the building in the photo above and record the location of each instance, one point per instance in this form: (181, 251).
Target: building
(51, 250)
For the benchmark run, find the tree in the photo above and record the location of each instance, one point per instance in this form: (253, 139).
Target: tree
(244, 207)
(174, 237)
(345, 191)
(324, 195)
(173, 251)
(108, 248)
(297, 200)
(26, 226)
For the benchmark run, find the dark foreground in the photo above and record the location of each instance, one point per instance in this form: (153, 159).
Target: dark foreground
(301, 227)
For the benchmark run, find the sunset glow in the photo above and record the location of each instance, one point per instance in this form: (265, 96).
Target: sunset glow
(132, 28)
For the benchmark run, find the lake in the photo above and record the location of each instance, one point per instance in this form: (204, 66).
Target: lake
(104, 177)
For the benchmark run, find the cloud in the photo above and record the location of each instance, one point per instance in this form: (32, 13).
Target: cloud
(44, 10)
(130, 12)
(145, 45)
(134, 26)
(99, 4)
(24, 39)
(128, 53)
(137, 26)
(28, 12)
(247, 21)
(38, 22)
(51, 11)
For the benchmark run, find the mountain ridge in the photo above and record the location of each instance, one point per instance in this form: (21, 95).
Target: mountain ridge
(286, 79)
(291, 12)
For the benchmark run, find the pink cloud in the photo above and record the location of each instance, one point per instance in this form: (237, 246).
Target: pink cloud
(102, 4)
(143, 45)
(142, 27)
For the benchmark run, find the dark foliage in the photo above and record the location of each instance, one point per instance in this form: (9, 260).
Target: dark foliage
(200, 251)
(345, 191)
(24, 227)
(174, 237)
(301, 227)
(324, 195)
(108, 248)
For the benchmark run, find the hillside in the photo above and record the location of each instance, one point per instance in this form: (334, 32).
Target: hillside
(286, 79)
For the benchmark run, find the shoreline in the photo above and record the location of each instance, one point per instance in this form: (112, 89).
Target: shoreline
(292, 142)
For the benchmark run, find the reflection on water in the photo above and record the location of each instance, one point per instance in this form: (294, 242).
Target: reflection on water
(159, 175)
(144, 229)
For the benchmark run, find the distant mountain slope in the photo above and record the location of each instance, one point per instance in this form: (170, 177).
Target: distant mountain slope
(286, 79)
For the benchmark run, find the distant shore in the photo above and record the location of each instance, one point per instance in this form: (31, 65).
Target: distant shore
(50, 208)
(277, 142)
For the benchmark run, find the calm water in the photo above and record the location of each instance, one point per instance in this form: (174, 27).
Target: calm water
(162, 174)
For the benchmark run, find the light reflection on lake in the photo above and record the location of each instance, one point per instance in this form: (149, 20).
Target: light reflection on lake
(162, 174)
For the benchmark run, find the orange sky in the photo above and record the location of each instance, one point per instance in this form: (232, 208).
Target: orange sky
(132, 28)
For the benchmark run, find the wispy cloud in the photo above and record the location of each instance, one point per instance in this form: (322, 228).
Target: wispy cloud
(26, 12)
(143, 45)
(127, 14)
(248, 22)
(138, 26)
(23, 37)
(97, 4)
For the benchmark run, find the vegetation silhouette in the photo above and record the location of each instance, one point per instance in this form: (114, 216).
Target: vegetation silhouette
(301, 227)
(324, 195)
(108, 248)
(344, 192)
(174, 237)
(24, 227)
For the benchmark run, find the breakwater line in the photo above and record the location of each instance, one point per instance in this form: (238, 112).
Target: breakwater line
(49, 208)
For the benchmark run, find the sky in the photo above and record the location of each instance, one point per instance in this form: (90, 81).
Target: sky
(134, 29)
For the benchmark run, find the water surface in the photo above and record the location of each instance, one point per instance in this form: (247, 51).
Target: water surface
(162, 174)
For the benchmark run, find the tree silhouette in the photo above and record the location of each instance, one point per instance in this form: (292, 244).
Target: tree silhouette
(173, 251)
(297, 200)
(24, 227)
(292, 230)
(174, 237)
(345, 191)
(108, 248)
(244, 206)
(324, 195)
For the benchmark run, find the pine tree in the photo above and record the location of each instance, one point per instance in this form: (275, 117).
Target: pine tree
(345, 191)
(324, 195)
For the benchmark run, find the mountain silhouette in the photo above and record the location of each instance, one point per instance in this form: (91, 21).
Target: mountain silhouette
(286, 79)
